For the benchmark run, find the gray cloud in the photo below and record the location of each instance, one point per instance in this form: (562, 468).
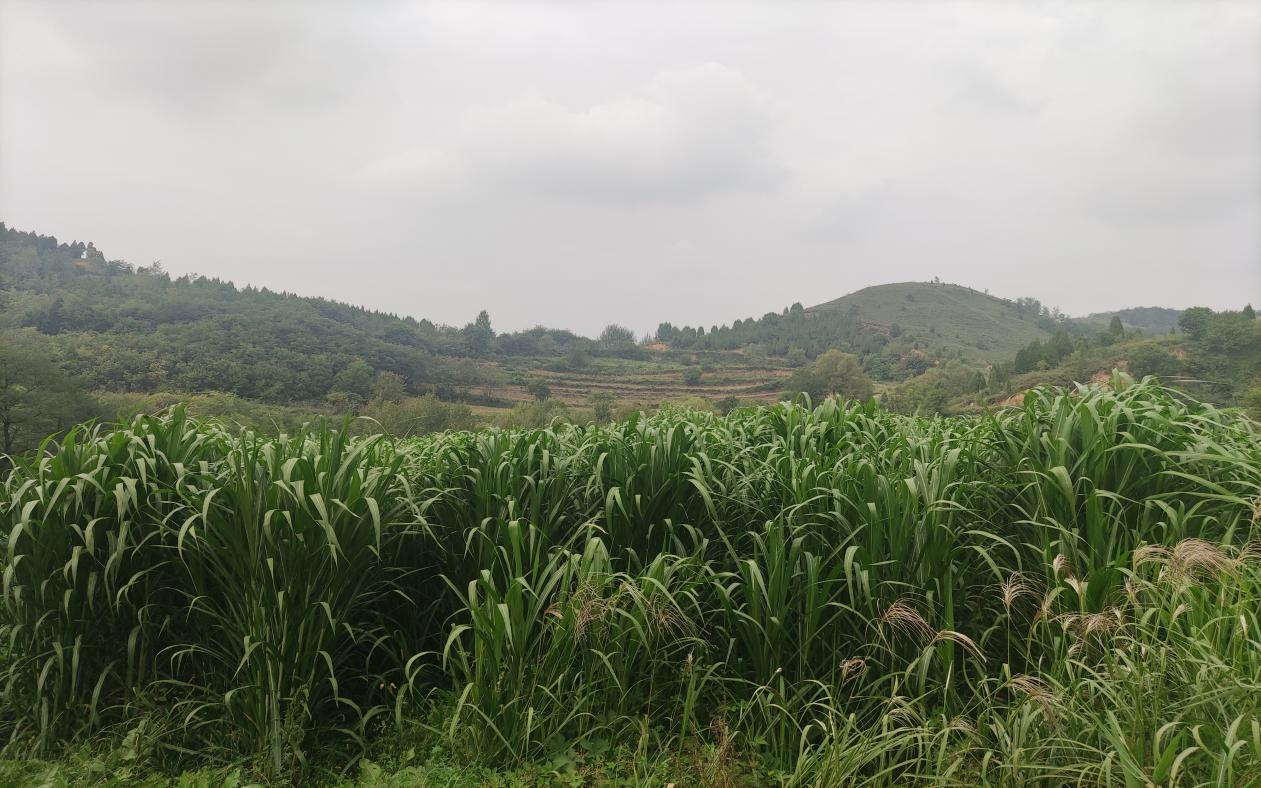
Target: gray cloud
(689, 133)
(576, 164)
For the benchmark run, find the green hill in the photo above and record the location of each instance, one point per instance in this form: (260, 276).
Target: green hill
(944, 319)
(1150, 320)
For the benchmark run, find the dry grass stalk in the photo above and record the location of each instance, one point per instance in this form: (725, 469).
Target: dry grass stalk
(963, 640)
(852, 668)
(1197, 558)
(1037, 691)
(903, 617)
(1013, 589)
(1060, 565)
(900, 713)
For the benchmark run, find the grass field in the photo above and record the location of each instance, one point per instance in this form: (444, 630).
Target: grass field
(1064, 593)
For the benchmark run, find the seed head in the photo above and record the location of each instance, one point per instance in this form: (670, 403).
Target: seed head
(903, 617)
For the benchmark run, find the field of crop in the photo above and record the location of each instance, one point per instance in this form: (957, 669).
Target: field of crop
(1058, 594)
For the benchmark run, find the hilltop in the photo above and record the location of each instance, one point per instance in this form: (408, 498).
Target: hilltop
(945, 319)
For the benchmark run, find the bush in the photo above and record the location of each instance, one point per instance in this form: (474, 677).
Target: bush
(538, 388)
(414, 416)
(601, 406)
(1147, 360)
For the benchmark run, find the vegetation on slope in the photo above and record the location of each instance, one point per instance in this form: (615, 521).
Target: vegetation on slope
(948, 320)
(1059, 593)
(123, 328)
(1216, 357)
(1151, 320)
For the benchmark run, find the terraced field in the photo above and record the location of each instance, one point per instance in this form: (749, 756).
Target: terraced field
(650, 382)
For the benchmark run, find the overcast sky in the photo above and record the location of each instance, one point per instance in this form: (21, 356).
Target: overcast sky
(577, 164)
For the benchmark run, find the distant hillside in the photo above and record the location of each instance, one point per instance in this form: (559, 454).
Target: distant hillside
(124, 328)
(137, 329)
(1151, 320)
(945, 319)
(121, 328)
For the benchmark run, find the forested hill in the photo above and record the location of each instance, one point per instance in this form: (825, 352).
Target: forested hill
(120, 328)
(138, 329)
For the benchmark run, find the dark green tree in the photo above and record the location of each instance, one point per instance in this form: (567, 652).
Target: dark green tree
(478, 335)
(355, 380)
(37, 397)
(1194, 321)
(614, 336)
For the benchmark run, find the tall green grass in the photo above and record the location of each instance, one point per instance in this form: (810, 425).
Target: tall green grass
(1058, 594)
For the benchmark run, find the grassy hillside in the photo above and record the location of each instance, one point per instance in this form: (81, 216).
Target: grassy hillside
(945, 319)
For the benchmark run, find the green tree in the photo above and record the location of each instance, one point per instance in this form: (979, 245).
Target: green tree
(355, 380)
(834, 373)
(1061, 345)
(37, 397)
(1000, 376)
(478, 335)
(1115, 329)
(692, 376)
(933, 391)
(1194, 321)
(388, 387)
(614, 336)
(1248, 312)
